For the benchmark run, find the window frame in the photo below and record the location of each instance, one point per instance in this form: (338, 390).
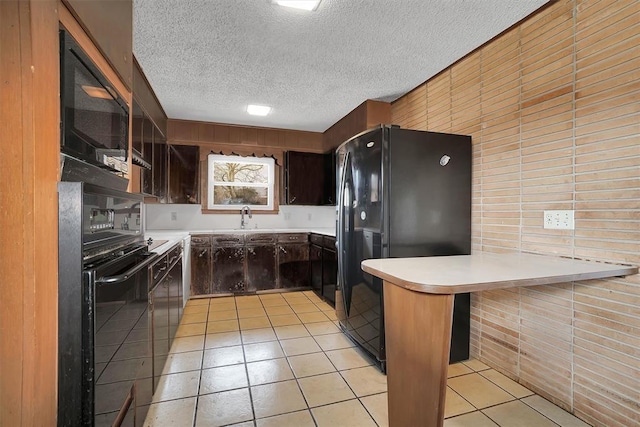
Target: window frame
(271, 185)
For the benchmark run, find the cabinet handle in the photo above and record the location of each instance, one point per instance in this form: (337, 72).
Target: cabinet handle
(293, 199)
(203, 253)
(155, 276)
(283, 250)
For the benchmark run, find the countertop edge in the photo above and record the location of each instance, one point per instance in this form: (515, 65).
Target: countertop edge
(608, 271)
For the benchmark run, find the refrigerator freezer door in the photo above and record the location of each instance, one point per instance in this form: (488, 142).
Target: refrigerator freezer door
(359, 299)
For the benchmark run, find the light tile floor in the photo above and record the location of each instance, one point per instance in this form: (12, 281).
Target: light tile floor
(280, 360)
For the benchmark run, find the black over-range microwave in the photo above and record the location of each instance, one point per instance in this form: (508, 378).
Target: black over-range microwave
(94, 118)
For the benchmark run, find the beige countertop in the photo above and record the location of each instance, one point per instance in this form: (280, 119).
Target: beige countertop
(486, 271)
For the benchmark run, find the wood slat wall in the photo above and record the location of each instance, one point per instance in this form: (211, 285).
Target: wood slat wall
(553, 107)
(205, 133)
(29, 155)
(365, 116)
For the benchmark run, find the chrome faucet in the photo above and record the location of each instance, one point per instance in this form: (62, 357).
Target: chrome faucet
(242, 211)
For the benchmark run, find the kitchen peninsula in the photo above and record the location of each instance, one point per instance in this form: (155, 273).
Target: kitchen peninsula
(420, 291)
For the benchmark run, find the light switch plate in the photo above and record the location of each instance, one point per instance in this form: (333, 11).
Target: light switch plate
(559, 220)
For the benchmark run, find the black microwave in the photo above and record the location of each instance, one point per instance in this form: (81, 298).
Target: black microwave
(94, 118)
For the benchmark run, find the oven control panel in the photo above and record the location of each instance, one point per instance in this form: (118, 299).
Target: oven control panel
(101, 219)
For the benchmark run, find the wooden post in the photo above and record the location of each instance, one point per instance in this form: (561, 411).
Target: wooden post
(418, 339)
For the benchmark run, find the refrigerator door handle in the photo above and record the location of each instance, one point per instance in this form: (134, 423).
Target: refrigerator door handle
(340, 231)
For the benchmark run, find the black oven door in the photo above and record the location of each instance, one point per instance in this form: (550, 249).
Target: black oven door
(116, 339)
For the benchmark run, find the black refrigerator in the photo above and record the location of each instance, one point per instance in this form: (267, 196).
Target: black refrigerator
(400, 193)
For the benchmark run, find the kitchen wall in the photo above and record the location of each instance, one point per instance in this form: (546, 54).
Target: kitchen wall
(190, 217)
(553, 108)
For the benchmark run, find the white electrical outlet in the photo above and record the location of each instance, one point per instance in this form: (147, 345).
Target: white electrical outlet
(174, 216)
(309, 216)
(559, 220)
(287, 216)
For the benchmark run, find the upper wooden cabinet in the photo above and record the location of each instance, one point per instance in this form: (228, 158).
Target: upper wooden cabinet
(184, 177)
(304, 178)
(309, 178)
(145, 96)
(110, 26)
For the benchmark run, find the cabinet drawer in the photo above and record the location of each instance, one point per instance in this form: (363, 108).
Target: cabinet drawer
(316, 239)
(293, 237)
(201, 240)
(329, 242)
(256, 238)
(174, 254)
(228, 239)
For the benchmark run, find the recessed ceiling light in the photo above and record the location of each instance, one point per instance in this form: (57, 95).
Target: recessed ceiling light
(258, 110)
(298, 4)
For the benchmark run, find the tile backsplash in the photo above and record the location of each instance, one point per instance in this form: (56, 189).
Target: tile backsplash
(190, 217)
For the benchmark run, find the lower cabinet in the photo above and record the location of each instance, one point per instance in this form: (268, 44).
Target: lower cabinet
(165, 307)
(329, 273)
(174, 282)
(323, 261)
(315, 264)
(261, 267)
(201, 261)
(228, 269)
(241, 263)
(159, 312)
(293, 265)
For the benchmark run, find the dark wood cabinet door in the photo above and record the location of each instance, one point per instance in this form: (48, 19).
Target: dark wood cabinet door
(329, 193)
(315, 264)
(228, 269)
(329, 273)
(147, 153)
(304, 179)
(159, 166)
(137, 118)
(174, 279)
(201, 264)
(184, 177)
(261, 267)
(160, 327)
(293, 265)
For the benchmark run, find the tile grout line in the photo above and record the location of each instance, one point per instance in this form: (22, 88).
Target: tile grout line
(204, 345)
(359, 398)
(246, 369)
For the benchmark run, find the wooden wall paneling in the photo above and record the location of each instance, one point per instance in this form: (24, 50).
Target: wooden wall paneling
(439, 101)
(500, 330)
(558, 129)
(29, 70)
(350, 125)
(399, 109)
(110, 25)
(244, 138)
(378, 112)
(547, 100)
(607, 201)
(416, 110)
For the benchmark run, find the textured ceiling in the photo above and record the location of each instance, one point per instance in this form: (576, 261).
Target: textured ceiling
(208, 59)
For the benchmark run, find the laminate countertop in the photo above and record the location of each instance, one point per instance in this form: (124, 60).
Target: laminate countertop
(486, 271)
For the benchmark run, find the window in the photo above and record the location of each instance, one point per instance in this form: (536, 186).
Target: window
(235, 181)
